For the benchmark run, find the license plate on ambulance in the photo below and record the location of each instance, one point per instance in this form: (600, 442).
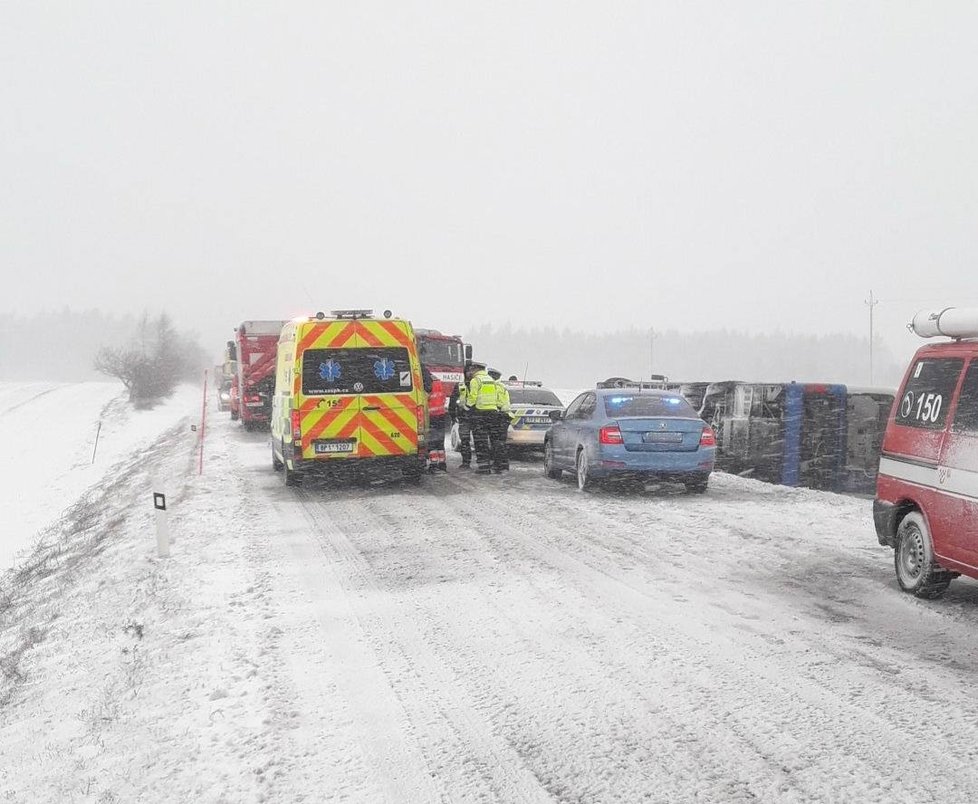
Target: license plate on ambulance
(325, 447)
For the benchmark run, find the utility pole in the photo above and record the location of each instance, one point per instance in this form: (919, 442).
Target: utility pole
(651, 353)
(871, 304)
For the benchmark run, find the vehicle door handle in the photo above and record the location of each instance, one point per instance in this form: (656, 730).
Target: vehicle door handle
(372, 407)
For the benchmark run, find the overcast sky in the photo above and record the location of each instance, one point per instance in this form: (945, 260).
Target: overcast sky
(688, 165)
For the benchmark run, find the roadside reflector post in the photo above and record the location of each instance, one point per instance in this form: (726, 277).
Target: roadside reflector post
(162, 526)
(97, 432)
(203, 425)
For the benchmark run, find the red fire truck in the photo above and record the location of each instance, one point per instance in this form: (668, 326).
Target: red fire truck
(253, 386)
(444, 357)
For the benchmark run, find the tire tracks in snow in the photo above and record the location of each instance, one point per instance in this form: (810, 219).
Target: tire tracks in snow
(774, 713)
(465, 750)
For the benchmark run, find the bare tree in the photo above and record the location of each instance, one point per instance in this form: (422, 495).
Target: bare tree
(159, 358)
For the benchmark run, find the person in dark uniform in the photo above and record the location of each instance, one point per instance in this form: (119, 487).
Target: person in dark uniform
(499, 431)
(460, 416)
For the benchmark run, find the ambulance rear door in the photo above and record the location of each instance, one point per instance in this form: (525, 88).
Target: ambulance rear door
(391, 396)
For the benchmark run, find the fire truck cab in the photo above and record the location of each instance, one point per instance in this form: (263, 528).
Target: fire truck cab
(926, 504)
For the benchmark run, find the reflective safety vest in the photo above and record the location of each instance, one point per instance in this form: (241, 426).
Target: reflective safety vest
(482, 392)
(502, 398)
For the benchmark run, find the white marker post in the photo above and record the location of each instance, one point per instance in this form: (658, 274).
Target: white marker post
(162, 527)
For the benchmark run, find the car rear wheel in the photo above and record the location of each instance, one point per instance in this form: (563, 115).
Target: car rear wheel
(291, 477)
(697, 486)
(549, 468)
(584, 480)
(916, 569)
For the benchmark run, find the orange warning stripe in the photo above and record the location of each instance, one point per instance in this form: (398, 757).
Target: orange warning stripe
(369, 337)
(310, 337)
(389, 446)
(388, 417)
(397, 332)
(401, 417)
(328, 417)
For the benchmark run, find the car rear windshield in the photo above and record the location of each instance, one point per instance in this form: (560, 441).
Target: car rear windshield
(533, 396)
(647, 405)
(356, 371)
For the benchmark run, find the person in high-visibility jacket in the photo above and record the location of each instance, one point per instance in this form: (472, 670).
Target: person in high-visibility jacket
(480, 405)
(500, 427)
(437, 426)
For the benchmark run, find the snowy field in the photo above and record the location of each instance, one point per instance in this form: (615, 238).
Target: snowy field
(500, 638)
(48, 433)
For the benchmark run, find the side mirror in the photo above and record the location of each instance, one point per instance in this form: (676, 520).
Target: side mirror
(556, 415)
(468, 351)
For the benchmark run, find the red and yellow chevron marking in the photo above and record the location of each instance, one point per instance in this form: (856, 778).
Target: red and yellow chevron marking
(384, 333)
(319, 421)
(326, 335)
(390, 420)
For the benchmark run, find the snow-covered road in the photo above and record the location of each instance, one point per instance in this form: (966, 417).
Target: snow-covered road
(510, 638)
(504, 638)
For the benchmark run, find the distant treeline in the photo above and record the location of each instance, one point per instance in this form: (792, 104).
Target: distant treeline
(61, 346)
(566, 358)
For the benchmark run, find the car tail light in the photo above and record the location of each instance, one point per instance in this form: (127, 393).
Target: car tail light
(422, 436)
(296, 426)
(610, 435)
(709, 438)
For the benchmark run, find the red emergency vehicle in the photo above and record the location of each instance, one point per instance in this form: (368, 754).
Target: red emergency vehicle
(444, 357)
(253, 386)
(926, 504)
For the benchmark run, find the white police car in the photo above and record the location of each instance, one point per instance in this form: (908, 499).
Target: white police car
(531, 406)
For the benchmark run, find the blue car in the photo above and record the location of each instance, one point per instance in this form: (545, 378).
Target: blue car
(630, 434)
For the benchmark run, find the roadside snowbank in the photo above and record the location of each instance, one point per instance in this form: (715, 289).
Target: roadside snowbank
(48, 434)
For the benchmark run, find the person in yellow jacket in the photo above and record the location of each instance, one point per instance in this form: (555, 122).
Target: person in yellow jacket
(500, 428)
(480, 406)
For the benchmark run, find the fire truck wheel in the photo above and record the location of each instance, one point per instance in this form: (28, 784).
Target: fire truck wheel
(916, 569)
(234, 415)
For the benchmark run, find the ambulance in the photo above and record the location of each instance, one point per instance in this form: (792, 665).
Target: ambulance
(926, 504)
(349, 395)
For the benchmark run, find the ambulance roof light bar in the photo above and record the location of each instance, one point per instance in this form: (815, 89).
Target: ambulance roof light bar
(354, 314)
(951, 322)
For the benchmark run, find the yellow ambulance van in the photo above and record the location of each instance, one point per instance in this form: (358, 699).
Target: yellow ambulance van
(349, 395)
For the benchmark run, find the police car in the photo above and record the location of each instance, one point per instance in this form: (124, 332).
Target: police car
(531, 405)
